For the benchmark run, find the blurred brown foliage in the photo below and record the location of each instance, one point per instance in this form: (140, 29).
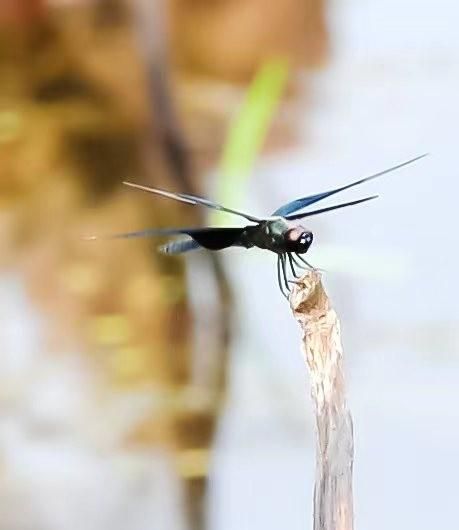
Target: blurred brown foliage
(78, 114)
(229, 39)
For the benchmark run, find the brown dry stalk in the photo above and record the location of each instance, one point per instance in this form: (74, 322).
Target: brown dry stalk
(323, 353)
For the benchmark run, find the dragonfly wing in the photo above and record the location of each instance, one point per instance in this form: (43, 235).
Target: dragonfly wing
(192, 199)
(328, 209)
(208, 237)
(180, 246)
(298, 204)
(148, 232)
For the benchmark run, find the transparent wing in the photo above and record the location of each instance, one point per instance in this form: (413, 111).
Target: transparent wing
(298, 204)
(191, 199)
(329, 208)
(208, 237)
(179, 246)
(148, 232)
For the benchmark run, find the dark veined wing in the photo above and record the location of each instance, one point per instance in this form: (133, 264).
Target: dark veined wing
(298, 204)
(328, 208)
(208, 237)
(179, 246)
(191, 199)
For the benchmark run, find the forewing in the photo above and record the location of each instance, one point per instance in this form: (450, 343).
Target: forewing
(298, 204)
(192, 199)
(328, 209)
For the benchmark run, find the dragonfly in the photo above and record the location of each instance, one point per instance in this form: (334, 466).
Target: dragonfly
(281, 233)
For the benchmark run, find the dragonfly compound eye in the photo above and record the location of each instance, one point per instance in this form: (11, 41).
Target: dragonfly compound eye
(298, 240)
(304, 242)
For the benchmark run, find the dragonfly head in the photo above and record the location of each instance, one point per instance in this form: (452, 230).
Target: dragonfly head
(298, 240)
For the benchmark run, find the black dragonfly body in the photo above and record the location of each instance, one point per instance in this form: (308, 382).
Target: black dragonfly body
(281, 233)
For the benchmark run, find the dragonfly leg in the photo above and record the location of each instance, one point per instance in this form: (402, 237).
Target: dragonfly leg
(300, 257)
(292, 267)
(297, 262)
(309, 265)
(279, 277)
(283, 260)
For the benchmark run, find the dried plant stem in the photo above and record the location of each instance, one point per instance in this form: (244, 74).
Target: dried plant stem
(333, 504)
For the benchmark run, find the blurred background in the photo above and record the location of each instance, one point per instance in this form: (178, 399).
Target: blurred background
(147, 392)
